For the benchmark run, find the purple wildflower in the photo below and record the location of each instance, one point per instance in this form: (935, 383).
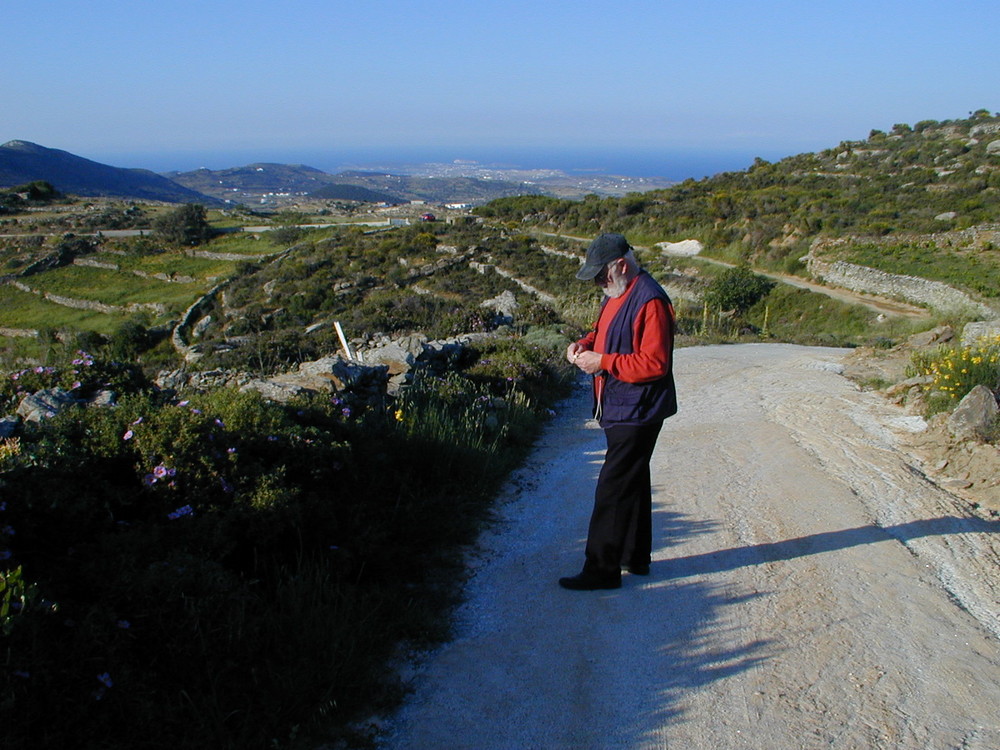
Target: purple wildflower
(160, 471)
(124, 624)
(226, 486)
(128, 435)
(185, 510)
(149, 480)
(5, 554)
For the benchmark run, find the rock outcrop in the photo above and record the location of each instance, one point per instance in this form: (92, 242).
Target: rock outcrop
(980, 330)
(974, 415)
(382, 367)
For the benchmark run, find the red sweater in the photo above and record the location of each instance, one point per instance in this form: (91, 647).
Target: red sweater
(651, 341)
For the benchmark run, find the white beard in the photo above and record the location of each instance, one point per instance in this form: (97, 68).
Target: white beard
(616, 287)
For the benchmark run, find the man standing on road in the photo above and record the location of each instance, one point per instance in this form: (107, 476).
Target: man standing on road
(630, 355)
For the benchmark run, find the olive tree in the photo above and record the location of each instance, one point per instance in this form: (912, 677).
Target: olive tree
(185, 225)
(737, 289)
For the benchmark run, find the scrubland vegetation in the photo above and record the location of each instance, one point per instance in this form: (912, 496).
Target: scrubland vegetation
(213, 571)
(885, 192)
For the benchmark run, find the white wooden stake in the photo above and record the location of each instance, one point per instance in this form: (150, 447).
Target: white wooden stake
(343, 341)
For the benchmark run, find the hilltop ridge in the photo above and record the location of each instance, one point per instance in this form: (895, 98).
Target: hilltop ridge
(22, 162)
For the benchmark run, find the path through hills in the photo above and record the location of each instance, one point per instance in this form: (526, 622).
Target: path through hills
(810, 588)
(873, 302)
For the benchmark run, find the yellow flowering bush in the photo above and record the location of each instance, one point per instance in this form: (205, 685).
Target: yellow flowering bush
(9, 447)
(953, 372)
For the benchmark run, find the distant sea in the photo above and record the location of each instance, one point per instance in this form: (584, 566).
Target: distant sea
(673, 165)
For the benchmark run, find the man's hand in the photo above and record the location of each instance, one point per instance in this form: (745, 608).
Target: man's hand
(588, 361)
(573, 351)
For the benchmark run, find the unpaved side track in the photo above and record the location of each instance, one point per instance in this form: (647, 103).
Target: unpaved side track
(810, 588)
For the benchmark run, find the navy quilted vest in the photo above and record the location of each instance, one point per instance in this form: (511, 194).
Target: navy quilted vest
(635, 403)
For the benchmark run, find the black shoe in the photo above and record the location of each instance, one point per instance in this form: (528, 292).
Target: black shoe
(592, 581)
(638, 569)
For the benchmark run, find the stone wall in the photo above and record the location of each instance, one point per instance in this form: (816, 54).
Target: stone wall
(169, 278)
(92, 305)
(18, 332)
(182, 330)
(896, 286)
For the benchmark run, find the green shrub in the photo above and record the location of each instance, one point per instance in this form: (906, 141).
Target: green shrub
(185, 225)
(737, 289)
(217, 570)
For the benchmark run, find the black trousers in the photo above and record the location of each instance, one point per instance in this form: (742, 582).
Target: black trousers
(621, 525)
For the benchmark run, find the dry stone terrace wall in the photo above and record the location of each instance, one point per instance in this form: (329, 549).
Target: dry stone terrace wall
(18, 332)
(170, 278)
(84, 304)
(896, 286)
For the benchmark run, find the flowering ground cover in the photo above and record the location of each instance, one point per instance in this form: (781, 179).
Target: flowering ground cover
(219, 571)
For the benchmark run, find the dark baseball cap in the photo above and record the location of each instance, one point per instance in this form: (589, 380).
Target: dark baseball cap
(603, 250)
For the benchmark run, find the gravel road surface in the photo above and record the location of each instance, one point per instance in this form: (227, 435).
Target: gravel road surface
(810, 586)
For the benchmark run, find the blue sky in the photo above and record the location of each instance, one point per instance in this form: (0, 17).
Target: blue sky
(176, 84)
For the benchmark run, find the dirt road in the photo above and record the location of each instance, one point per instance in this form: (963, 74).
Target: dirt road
(871, 301)
(810, 587)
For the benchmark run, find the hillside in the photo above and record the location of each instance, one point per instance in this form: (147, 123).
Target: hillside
(22, 162)
(256, 182)
(931, 188)
(252, 181)
(343, 192)
(456, 189)
(921, 201)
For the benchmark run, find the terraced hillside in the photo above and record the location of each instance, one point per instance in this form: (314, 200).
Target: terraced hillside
(921, 199)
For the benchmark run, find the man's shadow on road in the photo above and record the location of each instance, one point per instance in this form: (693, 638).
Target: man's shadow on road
(814, 544)
(702, 641)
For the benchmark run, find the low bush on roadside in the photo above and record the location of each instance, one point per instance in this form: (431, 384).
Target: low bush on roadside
(220, 571)
(82, 377)
(954, 371)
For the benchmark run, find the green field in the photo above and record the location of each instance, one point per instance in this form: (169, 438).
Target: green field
(114, 288)
(23, 310)
(179, 264)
